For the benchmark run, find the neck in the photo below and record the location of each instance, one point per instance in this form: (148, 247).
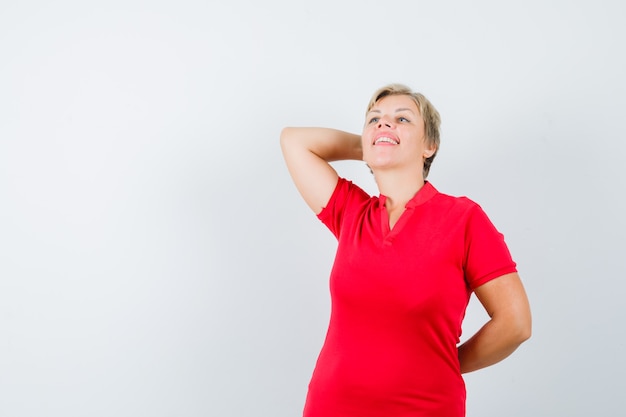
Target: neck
(399, 188)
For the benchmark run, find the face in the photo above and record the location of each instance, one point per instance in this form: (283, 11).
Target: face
(394, 135)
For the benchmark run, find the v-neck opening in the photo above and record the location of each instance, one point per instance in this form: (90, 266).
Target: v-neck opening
(422, 196)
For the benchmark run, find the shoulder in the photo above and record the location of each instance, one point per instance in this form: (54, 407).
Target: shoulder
(346, 203)
(346, 195)
(456, 204)
(348, 190)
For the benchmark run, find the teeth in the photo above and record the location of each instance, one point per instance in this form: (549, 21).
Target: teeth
(385, 139)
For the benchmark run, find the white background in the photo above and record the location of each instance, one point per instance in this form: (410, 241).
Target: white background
(156, 260)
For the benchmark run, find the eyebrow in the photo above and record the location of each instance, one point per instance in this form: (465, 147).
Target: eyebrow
(404, 109)
(397, 110)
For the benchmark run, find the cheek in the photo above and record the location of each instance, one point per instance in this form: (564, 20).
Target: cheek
(369, 130)
(365, 137)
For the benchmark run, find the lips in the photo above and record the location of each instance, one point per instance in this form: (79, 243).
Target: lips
(386, 140)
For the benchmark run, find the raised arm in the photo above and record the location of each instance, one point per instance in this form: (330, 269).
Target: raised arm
(308, 151)
(506, 303)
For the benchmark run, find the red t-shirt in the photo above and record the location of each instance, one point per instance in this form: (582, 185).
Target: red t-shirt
(398, 299)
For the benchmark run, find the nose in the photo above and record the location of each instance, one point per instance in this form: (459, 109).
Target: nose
(383, 122)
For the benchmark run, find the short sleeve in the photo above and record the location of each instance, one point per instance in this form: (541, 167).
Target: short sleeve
(486, 253)
(345, 195)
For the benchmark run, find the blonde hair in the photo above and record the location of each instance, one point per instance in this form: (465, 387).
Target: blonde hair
(429, 114)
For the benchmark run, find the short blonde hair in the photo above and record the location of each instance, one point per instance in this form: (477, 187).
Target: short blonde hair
(431, 117)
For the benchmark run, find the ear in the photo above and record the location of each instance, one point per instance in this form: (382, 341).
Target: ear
(429, 152)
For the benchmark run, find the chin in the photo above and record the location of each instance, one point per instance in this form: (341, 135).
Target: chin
(380, 165)
(378, 162)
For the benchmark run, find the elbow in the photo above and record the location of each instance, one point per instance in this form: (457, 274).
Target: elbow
(523, 335)
(528, 331)
(519, 320)
(516, 327)
(522, 329)
(285, 134)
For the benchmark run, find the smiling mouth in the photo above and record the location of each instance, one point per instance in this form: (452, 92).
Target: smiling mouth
(385, 139)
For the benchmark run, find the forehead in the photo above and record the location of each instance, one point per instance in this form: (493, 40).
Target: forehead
(393, 103)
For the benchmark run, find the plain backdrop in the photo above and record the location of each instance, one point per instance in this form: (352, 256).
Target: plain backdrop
(156, 260)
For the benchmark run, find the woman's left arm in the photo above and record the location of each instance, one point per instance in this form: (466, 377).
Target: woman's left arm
(506, 303)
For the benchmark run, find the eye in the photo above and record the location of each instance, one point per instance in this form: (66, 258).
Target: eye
(403, 119)
(374, 120)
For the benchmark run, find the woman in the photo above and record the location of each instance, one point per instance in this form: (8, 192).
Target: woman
(406, 264)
